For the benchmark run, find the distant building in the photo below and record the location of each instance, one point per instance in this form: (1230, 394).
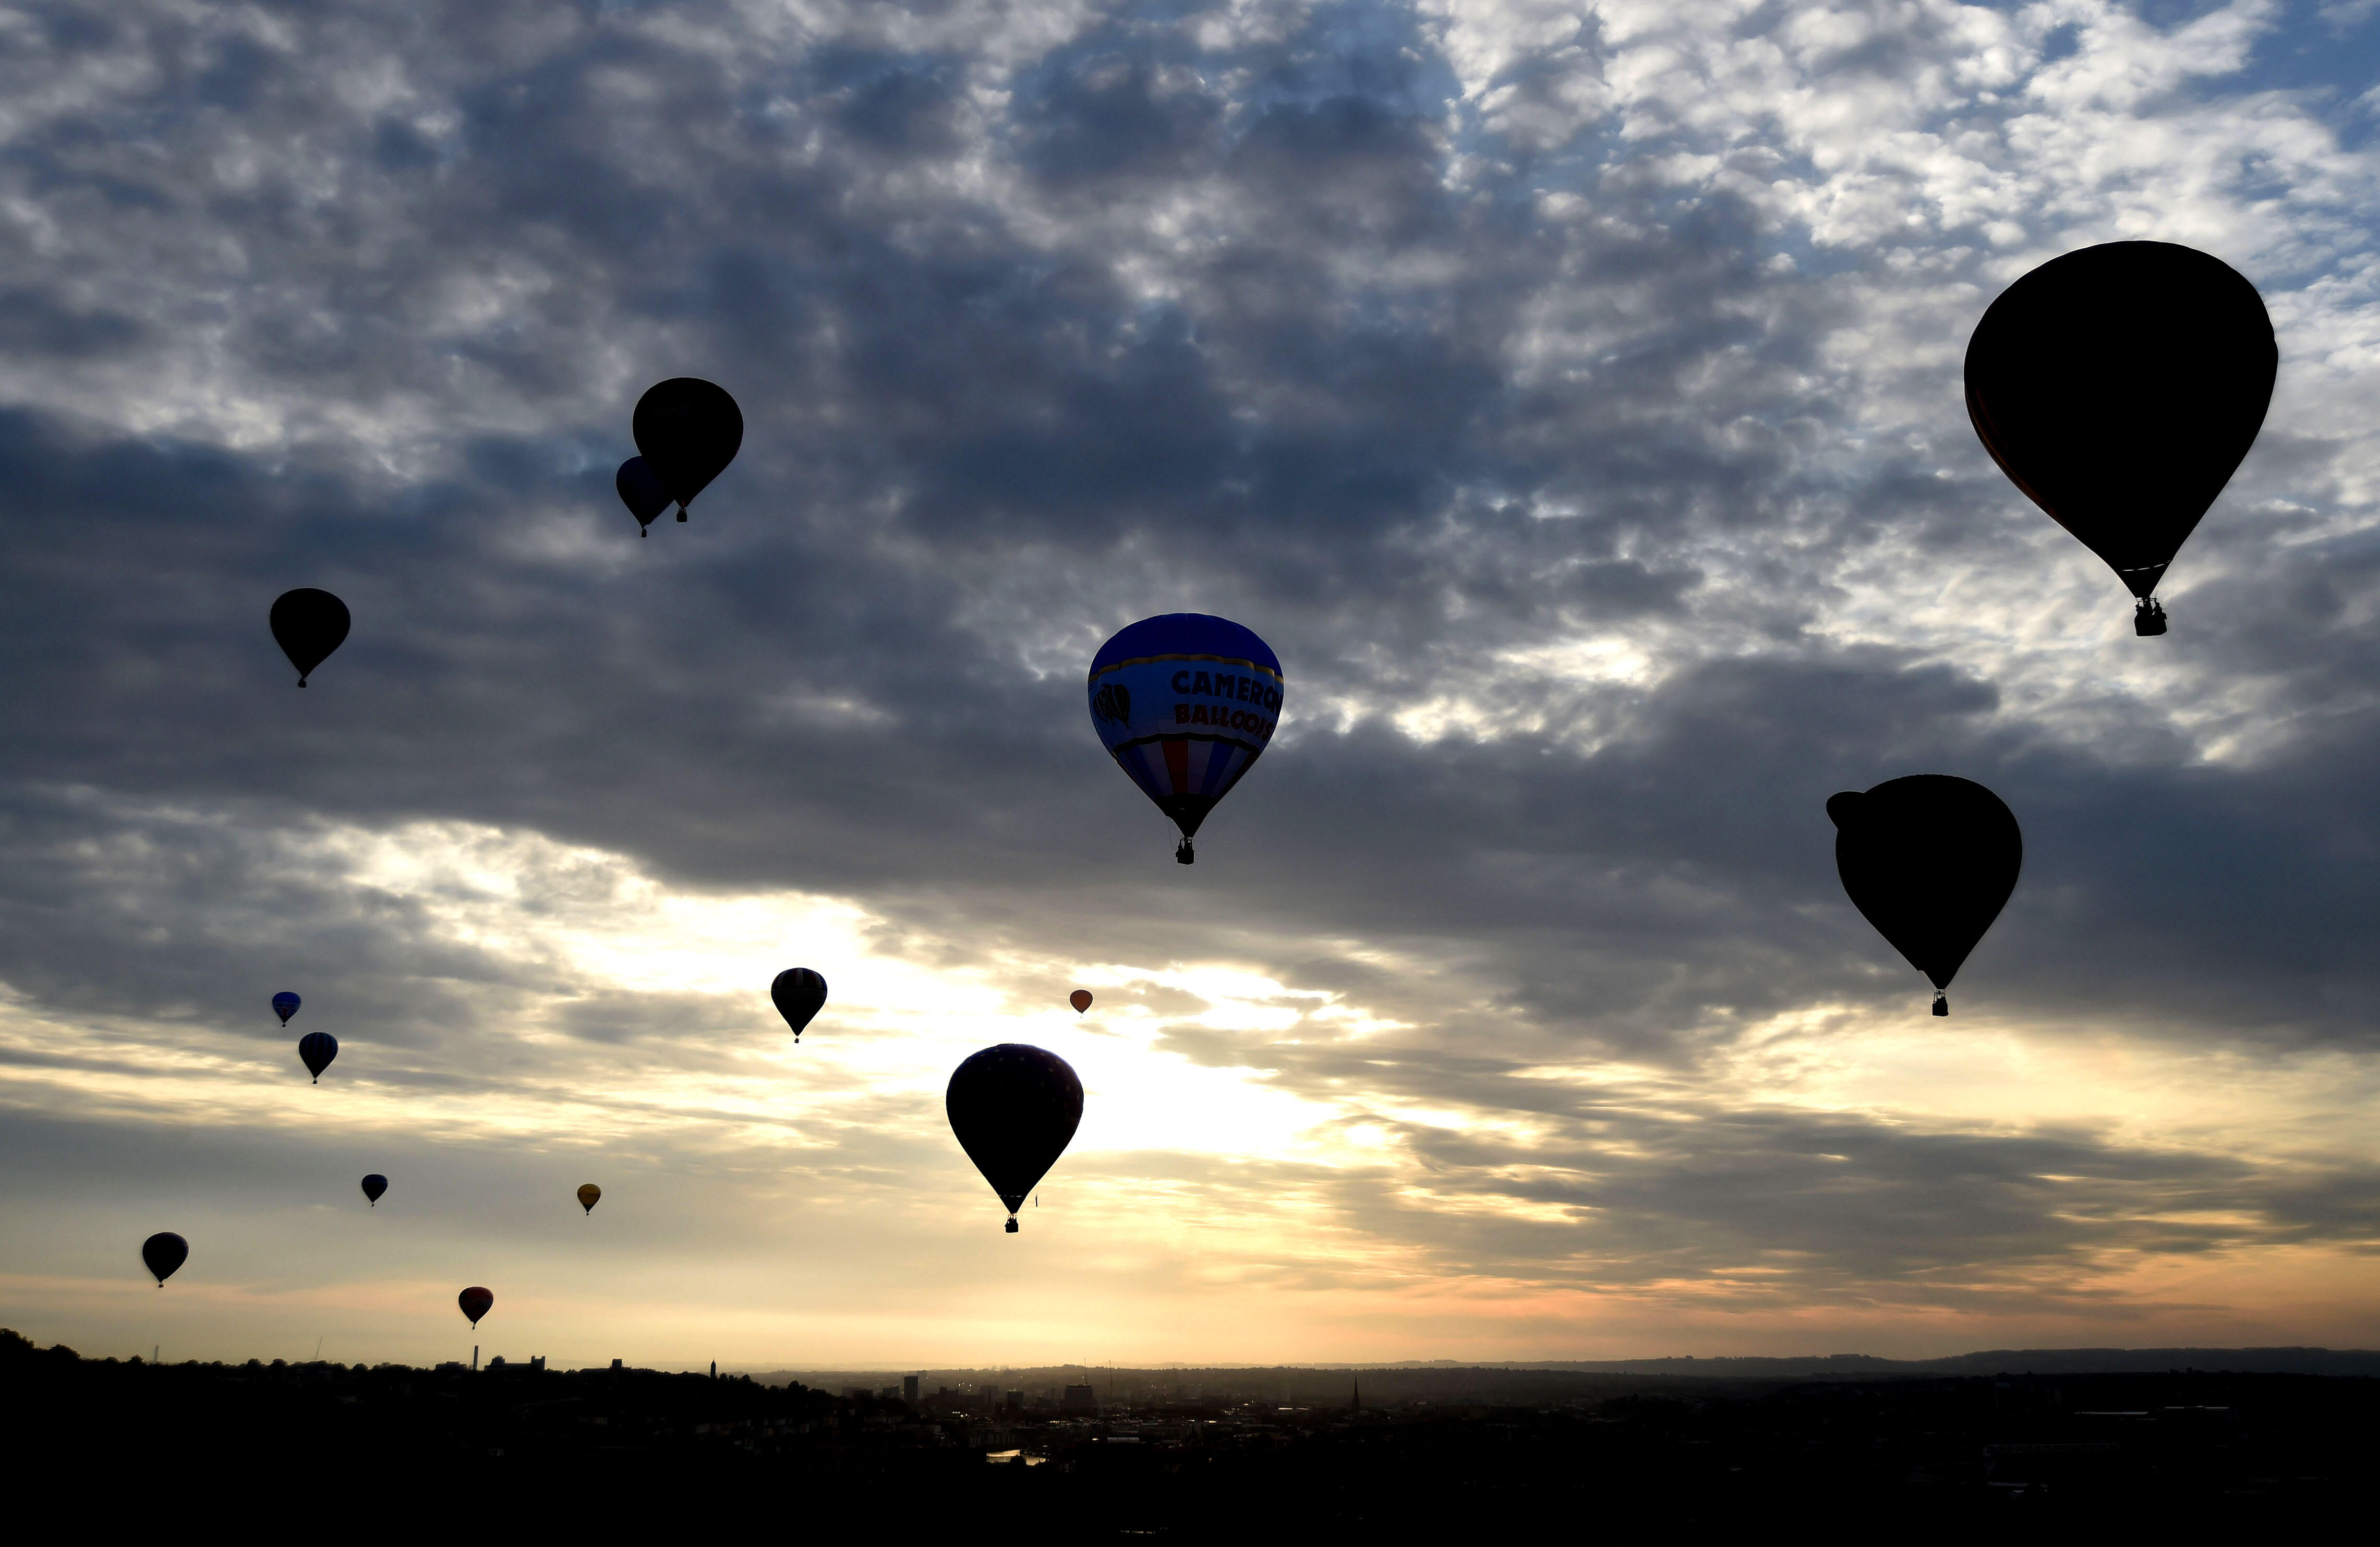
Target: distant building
(909, 1390)
(1080, 1399)
(1016, 1402)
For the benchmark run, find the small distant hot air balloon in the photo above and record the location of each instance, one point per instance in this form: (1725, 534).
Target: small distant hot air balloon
(1930, 860)
(284, 1005)
(688, 429)
(640, 489)
(318, 1048)
(800, 995)
(1013, 1108)
(1080, 999)
(2118, 387)
(1186, 703)
(163, 1253)
(374, 1185)
(475, 1302)
(308, 624)
(589, 1196)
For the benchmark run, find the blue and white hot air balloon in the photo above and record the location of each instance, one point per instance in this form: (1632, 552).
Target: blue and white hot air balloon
(1186, 703)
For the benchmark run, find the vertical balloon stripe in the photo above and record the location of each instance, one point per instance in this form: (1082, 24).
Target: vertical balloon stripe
(1222, 763)
(1196, 756)
(1177, 767)
(1147, 766)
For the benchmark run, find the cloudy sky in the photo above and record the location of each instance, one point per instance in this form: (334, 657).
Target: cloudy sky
(1569, 394)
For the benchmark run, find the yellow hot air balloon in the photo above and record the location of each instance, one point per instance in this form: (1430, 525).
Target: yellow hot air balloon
(589, 1195)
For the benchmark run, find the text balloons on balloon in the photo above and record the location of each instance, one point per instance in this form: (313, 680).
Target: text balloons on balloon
(1186, 703)
(163, 1253)
(640, 489)
(800, 995)
(1015, 1109)
(307, 625)
(688, 431)
(1929, 859)
(475, 1302)
(2118, 387)
(316, 1049)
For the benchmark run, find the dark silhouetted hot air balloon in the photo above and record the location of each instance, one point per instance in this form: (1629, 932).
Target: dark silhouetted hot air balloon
(589, 1196)
(374, 1185)
(284, 1005)
(1186, 703)
(318, 1048)
(1080, 999)
(2118, 387)
(475, 1302)
(640, 489)
(800, 995)
(1930, 860)
(688, 429)
(1013, 1109)
(163, 1253)
(309, 624)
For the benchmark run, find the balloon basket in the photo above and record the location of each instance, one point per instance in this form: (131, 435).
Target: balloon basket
(1011, 1227)
(1942, 1004)
(1185, 855)
(2148, 618)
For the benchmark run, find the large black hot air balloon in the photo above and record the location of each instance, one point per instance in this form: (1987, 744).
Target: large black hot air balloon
(475, 1302)
(800, 995)
(1930, 860)
(1186, 703)
(688, 429)
(1013, 1109)
(374, 1185)
(163, 1253)
(307, 625)
(641, 490)
(318, 1048)
(2118, 387)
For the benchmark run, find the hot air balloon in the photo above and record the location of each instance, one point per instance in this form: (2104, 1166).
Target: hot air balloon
(475, 1302)
(284, 1005)
(589, 1196)
(309, 624)
(1186, 703)
(1013, 1109)
(640, 489)
(1929, 859)
(163, 1253)
(374, 1185)
(1080, 999)
(688, 429)
(800, 995)
(2118, 387)
(318, 1048)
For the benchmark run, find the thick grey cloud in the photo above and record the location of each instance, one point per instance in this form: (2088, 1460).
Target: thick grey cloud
(1584, 434)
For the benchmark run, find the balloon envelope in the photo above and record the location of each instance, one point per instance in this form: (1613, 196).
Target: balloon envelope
(309, 624)
(318, 1048)
(1080, 999)
(374, 1185)
(284, 1005)
(641, 490)
(688, 429)
(1013, 1109)
(1929, 859)
(800, 995)
(2118, 387)
(589, 1196)
(1186, 703)
(475, 1302)
(163, 1253)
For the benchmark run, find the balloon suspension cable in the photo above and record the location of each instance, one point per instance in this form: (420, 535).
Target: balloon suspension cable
(2148, 618)
(1185, 855)
(1941, 1003)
